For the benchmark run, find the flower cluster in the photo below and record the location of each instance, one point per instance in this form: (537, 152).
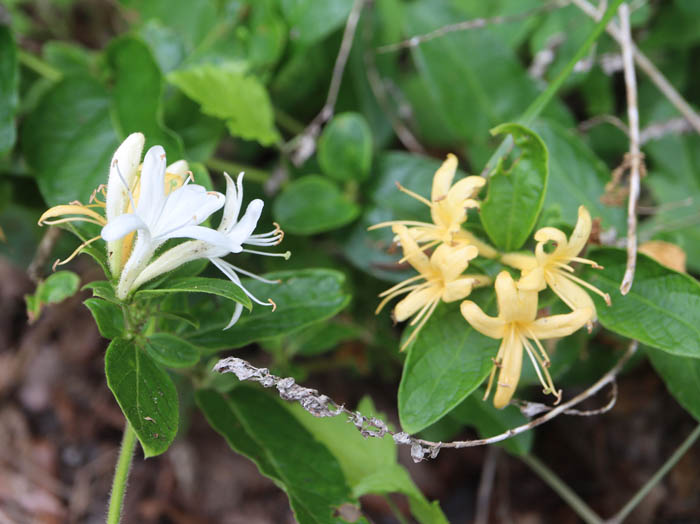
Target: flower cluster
(146, 205)
(441, 278)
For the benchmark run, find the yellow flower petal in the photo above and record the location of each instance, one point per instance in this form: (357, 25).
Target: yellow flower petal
(546, 234)
(483, 323)
(412, 253)
(452, 261)
(457, 289)
(533, 280)
(443, 178)
(511, 366)
(581, 232)
(519, 261)
(413, 302)
(72, 209)
(514, 305)
(571, 293)
(557, 326)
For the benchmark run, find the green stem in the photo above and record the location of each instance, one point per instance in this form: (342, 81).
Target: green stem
(538, 105)
(252, 174)
(37, 65)
(288, 122)
(654, 480)
(121, 473)
(572, 499)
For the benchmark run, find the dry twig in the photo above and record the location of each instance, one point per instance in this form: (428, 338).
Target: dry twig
(303, 146)
(634, 154)
(320, 405)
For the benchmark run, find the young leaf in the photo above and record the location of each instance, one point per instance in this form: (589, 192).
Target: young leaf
(54, 289)
(682, 378)
(108, 317)
(313, 204)
(516, 193)
(662, 309)
(9, 82)
(310, 21)
(145, 393)
(448, 360)
(171, 351)
(258, 426)
(68, 140)
(303, 298)
(239, 99)
(102, 289)
(345, 148)
(213, 286)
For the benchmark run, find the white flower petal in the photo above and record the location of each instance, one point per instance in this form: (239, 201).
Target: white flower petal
(152, 194)
(245, 227)
(122, 172)
(121, 226)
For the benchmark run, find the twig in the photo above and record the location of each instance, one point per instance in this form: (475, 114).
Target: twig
(648, 67)
(320, 405)
(43, 251)
(303, 146)
(378, 88)
(589, 124)
(468, 24)
(661, 129)
(531, 409)
(635, 156)
(483, 495)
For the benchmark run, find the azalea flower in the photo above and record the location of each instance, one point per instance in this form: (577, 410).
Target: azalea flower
(516, 326)
(553, 268)
(158, 216)
(448, 210)
(232, 236)
(442, 276)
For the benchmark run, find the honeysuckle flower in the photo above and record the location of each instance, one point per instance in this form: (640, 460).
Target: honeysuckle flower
(159, 216)
(516, 325)
(442, 280)
(554, 268)
(448, 209)
(232, 236)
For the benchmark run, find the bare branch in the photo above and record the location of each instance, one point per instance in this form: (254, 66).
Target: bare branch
(43, 251)
(647, 66)
(660, 129)
(320, 405)
(476, 23)
(304, 145)
(634, 154)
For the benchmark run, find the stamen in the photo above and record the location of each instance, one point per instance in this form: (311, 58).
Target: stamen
(253, 275)
(591, 263)
(397, 286)
(400, 223)
(585, 284)
(420, 326)
(128, 190)
(414, 195)
(272, 303)
(530, 353)
(565, 267)
(421, 248)
(398, 292)
(72, 219)
(284, 255)
(75, 253)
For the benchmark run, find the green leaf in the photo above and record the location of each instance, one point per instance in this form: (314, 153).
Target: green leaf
(448, 360)
(322, 337)
(239, 99)
(171, 351)
(490, 421)
(137, 93)
(108, 317)
(54, 289)
(212, 286)
(68, 140)
(313, 204)
(145, 393)
(370, 464)
(258, 426)
(576, 177)
(661, 310)
(345, 148)
(102, 289)
(516, 193)
(310, 21)
(9, 83)
(303, 298)
(682, 378)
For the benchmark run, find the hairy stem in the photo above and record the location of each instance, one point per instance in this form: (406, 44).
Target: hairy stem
(121, 474)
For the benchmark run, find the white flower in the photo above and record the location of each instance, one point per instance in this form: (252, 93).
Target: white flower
(230, 237)
(157, 216)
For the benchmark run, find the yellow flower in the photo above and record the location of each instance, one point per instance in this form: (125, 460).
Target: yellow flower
(553, 268)
(515, 326)
(443, 280)
(448, 210)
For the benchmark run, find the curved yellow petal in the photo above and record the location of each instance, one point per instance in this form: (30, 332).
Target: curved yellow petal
(462, 236)
(581, 232)
(557, 326)
(519, 261)
(71, 209)
(532, 280)
(511, 366)
(412, 253)
(570, 292)
(483, 323)
(546, 234)
(442, 180)
(415, 300)
(464, 190)
(452, 261)
(457, 289)
(514, 305)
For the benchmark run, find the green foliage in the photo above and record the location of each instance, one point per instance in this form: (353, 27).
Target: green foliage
(313, 204)
(662, 309)
(345, 148)
(9, 82)
(54, 289)
(310, 21)
(145, 393)
(211, 286)
(171, 351)
(257, 426)
(448, 360)
(516, 192)
(108, 317)
(233, 96)
(682, 378)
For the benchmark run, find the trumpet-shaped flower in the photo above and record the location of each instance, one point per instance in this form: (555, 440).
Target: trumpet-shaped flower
(158, 216)
(442, 278)
(516, 326)
(448, 209)
(554, 268)
(232, 236)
